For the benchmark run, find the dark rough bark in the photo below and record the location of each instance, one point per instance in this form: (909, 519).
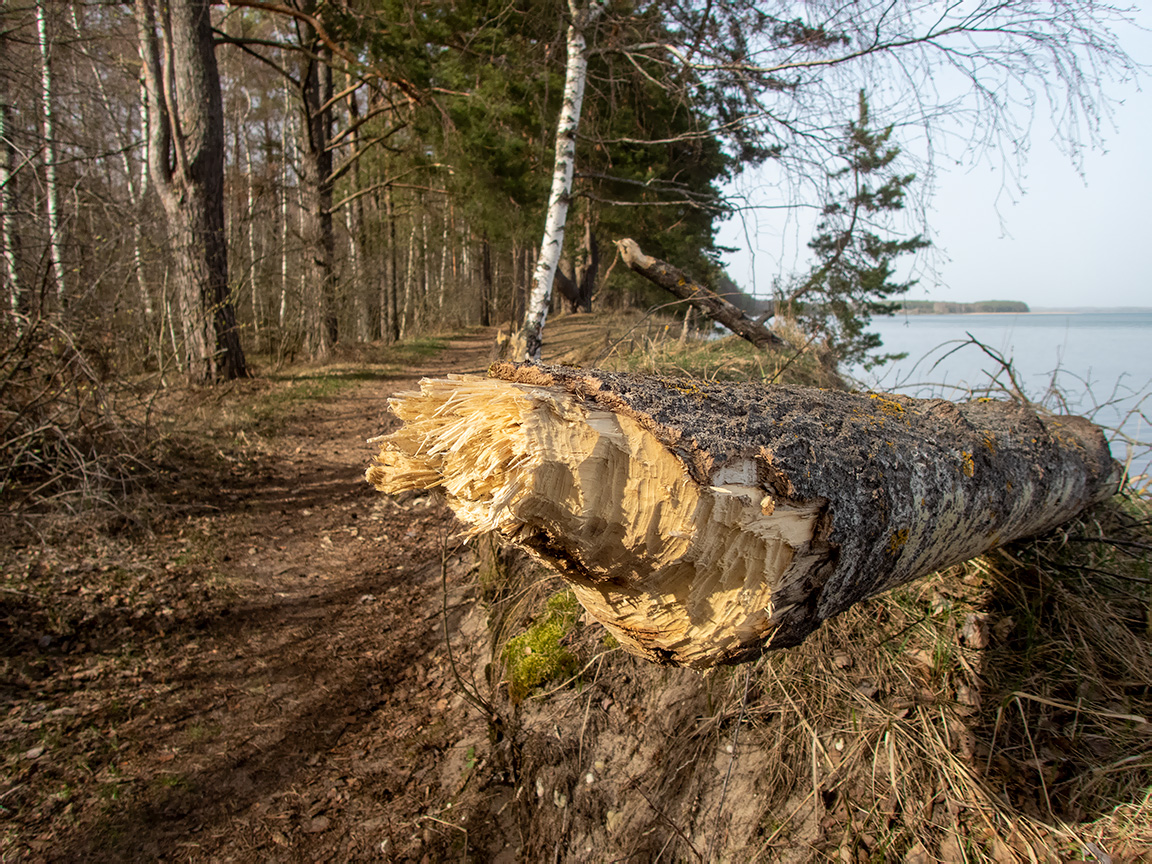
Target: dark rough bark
(685, 287)
(487, 283)
(800, 502)
(578, 286)
(319, 237)
(392, 309)
(186, 125)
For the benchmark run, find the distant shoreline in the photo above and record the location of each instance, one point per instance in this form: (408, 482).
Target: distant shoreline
(1038, 310)
(981, 307)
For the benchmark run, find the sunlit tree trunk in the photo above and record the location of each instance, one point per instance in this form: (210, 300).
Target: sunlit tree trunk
(575, 76)
(186, 161)
(408, 277)
(316, 188)
(51, 190)
(285, 170)
(425, 261)
(392, 288)
(445, 250)
(9, 234)
(250, 199)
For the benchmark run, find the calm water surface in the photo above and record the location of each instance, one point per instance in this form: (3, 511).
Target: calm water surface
(1098, 363)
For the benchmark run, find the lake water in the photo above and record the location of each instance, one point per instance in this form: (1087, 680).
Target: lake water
(1098, 364)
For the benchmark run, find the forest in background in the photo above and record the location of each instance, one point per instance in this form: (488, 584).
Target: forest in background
(187, 182)
(374, 188)
(192, 188)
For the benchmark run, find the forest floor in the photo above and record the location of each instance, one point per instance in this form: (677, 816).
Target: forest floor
(262, 675)
(251, 665)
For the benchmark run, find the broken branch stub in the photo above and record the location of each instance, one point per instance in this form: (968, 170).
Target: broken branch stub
(703, 523)
(680, 284)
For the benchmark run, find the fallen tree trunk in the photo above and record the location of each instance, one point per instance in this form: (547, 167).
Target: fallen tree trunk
(707, 301)
(704, 523)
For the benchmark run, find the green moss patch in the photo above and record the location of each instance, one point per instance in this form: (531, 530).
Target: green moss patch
(538, 655)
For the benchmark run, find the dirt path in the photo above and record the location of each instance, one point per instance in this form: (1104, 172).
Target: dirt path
(280, 697)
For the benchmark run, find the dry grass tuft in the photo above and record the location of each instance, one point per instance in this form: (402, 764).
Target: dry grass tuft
(998, 711)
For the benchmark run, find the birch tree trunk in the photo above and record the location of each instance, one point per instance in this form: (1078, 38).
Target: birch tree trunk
(186, 162)
(9, 233)
(445, 250)
(704, 523)
(354, 222)
(530, 341)
(285, 172)
(253, 259)
(51, 190)
(409, 275)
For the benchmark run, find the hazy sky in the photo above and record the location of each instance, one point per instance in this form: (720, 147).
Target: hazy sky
(1067, 241)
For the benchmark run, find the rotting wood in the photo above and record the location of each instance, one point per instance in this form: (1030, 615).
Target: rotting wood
(707, 301)
(703, 523)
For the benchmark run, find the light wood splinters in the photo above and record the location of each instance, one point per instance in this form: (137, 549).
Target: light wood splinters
(697, 546)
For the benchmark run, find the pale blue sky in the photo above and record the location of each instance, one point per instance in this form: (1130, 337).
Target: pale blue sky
(1067, 241)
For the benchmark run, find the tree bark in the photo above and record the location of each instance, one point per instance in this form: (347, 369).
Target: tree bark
(186, 161)
(392, 313)
(685, 287)
(575, 77)
(9, 233)
(51, 189)
(704, 523)
(319, 237)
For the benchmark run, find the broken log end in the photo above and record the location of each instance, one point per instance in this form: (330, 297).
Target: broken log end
(704, 523)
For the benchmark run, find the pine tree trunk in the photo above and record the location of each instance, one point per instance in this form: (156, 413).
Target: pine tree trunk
(529, 343)
(485, 282)
(316, 187)
(186, 162)
(704, 523)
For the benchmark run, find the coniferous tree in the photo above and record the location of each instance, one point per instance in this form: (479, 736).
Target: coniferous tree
(186, 154)
(854, 277)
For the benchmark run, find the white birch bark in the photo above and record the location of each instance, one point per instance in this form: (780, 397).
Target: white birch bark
(52, 195)
(285, 142)
(409, 276)
(427, 286)
(9, 237)
(252, 254)
(575, 76)
(444, 252)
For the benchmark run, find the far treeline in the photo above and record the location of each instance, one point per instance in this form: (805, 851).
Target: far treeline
(188, 183)
(987, 307)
